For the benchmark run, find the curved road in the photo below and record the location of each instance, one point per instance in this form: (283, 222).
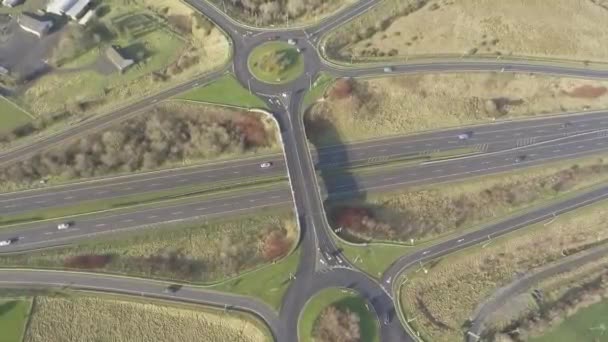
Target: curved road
(524, 283)
(317, 269)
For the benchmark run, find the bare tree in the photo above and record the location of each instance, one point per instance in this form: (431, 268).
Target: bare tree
(337, 325)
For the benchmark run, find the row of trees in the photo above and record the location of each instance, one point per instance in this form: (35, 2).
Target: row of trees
(163, 135)
(264, 12)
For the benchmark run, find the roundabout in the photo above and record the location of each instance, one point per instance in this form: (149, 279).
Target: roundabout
(276, 62)
(342, 304)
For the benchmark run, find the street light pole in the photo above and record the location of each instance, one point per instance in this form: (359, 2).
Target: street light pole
(249, 84)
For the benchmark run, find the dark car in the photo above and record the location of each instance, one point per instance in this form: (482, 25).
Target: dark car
(172, 288)
(519, 159)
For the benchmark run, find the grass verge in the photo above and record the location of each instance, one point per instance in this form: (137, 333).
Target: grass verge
(373, 258)
(225, 90)
(443, 299)
(317, 92)
(275, 62)
(341, 299)
(268, 283)
(11, 116)
(199, 252)
(14, 313)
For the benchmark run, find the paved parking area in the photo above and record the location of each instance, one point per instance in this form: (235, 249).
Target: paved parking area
(21, 52)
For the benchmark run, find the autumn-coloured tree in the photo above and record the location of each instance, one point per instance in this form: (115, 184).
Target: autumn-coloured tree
(337, 325)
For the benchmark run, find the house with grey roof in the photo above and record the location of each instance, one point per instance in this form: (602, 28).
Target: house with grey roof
(117, 59)
(34, 25)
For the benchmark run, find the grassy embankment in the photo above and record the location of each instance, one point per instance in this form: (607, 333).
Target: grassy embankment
(361, 109)
(200, 252)
(89, 317)
(429, 214)
(226, 90)
(14, 314)
(12, 116)
(399, 29)
(342, 299)
(443, 299)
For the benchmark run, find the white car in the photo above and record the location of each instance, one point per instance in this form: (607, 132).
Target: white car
(63, 226)
(464, 136)
(5, 242)
(388, 69)
(265, 165)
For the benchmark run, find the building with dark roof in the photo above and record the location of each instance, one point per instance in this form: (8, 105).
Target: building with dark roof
(34, 26)
(117, 59)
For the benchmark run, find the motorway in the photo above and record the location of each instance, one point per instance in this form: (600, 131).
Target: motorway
(519, 136)
(540, 140)
(44, 234)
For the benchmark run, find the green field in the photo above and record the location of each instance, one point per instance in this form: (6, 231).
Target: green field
(318, 89)
(268, 283)
(276, 62)
(144, 32)
(374, 258)
(343, 299)
(11, 116)
(13, 317)
(224, 90)
(587, 325)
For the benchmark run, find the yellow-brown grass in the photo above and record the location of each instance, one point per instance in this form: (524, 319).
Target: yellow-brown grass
(196, 252)
(457, 283)
(436, 210)
(83, 318)
(564, 29)
(412, 103)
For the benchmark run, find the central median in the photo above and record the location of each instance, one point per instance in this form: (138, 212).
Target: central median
(144, 199)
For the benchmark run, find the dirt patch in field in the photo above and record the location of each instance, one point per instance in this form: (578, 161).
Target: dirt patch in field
(587, 92)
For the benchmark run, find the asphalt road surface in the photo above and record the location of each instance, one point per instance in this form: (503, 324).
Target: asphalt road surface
(525, 283)
(140, 288)
(45, 234)
(516, 135)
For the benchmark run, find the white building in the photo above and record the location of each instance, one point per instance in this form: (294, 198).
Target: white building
(78, 9)
(11, 3)
(60, 7)
(85, 18)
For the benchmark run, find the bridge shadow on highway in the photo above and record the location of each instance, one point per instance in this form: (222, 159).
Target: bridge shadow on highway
(331, 165)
